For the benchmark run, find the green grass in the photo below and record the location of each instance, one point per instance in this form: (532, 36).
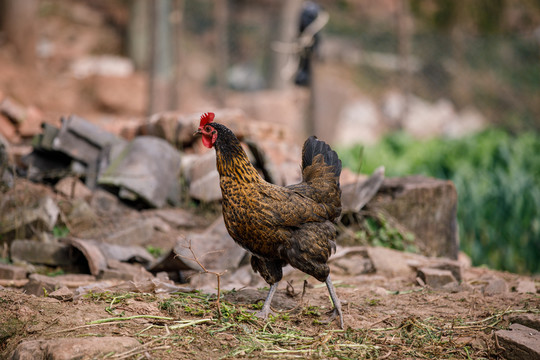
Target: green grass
(497, 177)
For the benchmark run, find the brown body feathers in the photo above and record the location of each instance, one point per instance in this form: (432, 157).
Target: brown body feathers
(281, 225)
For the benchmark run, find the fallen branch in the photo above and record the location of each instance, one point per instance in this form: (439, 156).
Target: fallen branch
(101, 321)
(83, 327)
(379, 321)
(206, 271)
(186, 323)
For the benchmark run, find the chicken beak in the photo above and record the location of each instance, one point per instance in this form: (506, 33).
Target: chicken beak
(198, 132)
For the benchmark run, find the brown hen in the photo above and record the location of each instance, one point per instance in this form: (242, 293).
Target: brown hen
(279, 225)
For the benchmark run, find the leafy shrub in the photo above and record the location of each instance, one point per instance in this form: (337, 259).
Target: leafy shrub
(497, 177)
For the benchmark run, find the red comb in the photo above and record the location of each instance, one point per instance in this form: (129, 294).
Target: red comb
(206, 118)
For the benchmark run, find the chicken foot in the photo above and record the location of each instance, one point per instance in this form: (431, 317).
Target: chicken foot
(335, 301)
(265, 311)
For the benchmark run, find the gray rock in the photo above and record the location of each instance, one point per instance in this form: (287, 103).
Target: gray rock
(106, 204)
(389, 262)
(202, 165)
(84, 141)
(35, 214)
(206, 188)
(425, 206)
(520, 342)
(12, 272)
(62, 294)
(41, 285)
(124, 271)
(73, 348)
(526, 286)
(529, 320)
(45, 140)
(148, 167)
(495, 286)
(131, 254)
(214, 248)
(122, 230)
(81, 216)
(454, 266)
(36, 252)
(138, 232)
(204, 178)
(436, 278)
(354, 265)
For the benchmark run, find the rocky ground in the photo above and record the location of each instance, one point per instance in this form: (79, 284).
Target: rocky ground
(389, 317)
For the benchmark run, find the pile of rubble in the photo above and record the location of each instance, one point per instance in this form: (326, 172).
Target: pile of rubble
(84, 195)
(89, 201)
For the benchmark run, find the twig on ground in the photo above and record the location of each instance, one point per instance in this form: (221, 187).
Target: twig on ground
(206, 271)
(83, 327)
(378, 321)
(101, 321)
(186, 323)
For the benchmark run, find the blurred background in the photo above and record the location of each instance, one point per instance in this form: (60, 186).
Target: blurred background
(435, 87)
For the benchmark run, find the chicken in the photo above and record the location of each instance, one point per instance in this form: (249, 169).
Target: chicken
(279, 225)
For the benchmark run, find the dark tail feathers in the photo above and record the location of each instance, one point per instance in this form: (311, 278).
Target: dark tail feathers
(314, 147)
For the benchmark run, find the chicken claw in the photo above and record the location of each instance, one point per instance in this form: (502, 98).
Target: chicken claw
(265, 311)
(337, 304)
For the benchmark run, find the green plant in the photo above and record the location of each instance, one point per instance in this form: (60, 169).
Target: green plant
(313, 311)
(55, 272)
(60, 231)
(373, 302)
(154, 251)
(376, 230)
(496, 177)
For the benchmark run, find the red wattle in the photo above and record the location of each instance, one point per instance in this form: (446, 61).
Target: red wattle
(207, 141)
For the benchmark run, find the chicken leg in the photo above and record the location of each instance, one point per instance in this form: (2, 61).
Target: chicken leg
(265, 311)
(335, 302)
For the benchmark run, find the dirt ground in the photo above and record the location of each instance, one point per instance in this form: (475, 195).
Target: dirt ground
(384, 319)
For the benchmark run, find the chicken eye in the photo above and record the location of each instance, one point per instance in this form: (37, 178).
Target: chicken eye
(208, 128)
